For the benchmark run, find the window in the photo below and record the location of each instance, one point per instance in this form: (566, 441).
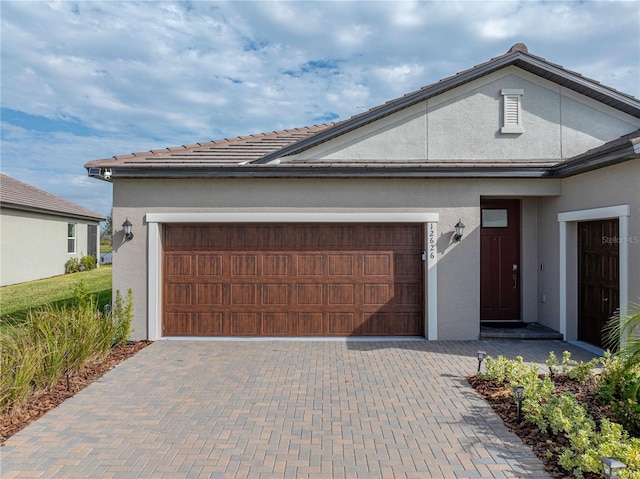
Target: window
(512, 111)
(496, 218)
(71, 237)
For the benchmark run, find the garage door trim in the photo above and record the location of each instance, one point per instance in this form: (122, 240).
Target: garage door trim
(154, 260)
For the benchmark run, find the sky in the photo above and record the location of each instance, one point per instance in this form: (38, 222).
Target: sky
(87, 80)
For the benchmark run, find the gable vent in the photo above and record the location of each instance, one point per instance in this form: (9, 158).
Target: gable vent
(512, 111)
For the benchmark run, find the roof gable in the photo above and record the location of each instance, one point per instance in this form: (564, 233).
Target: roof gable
(18, 195)
(517, 55)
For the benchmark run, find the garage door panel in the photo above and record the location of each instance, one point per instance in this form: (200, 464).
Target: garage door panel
(406, 293)
(277, 294)
(406, 265)
(207, 324)
(408, 324)
(311, 265)
(377, 264)
(210, 265)
(245, 323)
(244, 294)
(310, 323)
(178, 324)
(310, 294)
(283, 280)
(178, 265)
(276, 265)
(377, 294)
(275, 324)
(244, 265)
(340, 323)
(341, 264)
(377, 324)
(341, 294)
(178, 294)
(209, 294)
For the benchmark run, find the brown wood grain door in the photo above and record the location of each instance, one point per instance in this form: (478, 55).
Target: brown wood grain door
(500, 260)
(293, 280)
(598, 277)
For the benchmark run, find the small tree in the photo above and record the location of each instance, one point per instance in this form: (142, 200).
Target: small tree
(107, 229)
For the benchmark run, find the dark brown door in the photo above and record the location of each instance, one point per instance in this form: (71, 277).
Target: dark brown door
(500, 260)
(598, 278)
(92, 240)
(293, 280)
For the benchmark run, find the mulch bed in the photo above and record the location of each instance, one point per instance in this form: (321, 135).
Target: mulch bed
(503, 404)
(39, 402)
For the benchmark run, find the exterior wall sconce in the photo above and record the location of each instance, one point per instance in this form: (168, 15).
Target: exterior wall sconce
(126, 226)
(459, 230)
(612, 467)
(518, 392)
(481, 356)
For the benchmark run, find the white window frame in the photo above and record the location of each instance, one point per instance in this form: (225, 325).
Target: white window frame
(74, 238)
(512, 102)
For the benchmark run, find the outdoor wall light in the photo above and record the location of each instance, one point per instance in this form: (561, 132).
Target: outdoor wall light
(126, 226)
(481, 356)
(518, 392)
(612, 467)
(459, 230)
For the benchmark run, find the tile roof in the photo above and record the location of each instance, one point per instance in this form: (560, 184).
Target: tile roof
(239, 150)
(19, 195)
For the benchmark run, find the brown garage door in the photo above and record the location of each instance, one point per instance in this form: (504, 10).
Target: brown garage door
(292, 280)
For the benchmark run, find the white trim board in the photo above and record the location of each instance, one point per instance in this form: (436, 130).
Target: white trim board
(569, 219)
(154, 250)
(293, 217)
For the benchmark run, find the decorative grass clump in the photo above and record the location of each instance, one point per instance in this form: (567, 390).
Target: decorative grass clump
(36, 352)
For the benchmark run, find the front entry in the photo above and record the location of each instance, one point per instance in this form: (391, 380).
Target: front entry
(500, 260)
(599, 279)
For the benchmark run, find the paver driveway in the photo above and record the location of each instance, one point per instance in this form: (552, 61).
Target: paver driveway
(199, 409)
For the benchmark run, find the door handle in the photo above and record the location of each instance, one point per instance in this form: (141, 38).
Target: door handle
(605, 299)
(515, 281)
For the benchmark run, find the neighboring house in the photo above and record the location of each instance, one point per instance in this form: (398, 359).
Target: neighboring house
(349, 228)
(39, 232)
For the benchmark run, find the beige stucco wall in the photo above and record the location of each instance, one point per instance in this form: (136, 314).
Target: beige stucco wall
(464, 124)
(612, 186)
(34, 246)
(458, 263)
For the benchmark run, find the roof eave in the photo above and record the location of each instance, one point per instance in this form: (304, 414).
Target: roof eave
(15, 206)
(590, 162)
(332, 171)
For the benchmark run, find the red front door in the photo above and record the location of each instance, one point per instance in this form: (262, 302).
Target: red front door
(500, 260)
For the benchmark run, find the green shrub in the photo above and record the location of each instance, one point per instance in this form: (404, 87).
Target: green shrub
(620, 386)
(87, 263)
(71, 266)
(563, 414)
(121, 317)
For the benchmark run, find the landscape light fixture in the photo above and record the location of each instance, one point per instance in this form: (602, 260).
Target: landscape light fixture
(518, 392)
(459, 230)
(481, 356)
(612, 467)
(126, 226)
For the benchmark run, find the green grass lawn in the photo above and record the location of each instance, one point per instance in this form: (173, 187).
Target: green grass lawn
(16, 300)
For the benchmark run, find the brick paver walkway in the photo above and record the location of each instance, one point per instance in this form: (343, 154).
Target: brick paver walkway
(271, 409)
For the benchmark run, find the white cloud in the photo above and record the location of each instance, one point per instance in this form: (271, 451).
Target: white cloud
(141, 75)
